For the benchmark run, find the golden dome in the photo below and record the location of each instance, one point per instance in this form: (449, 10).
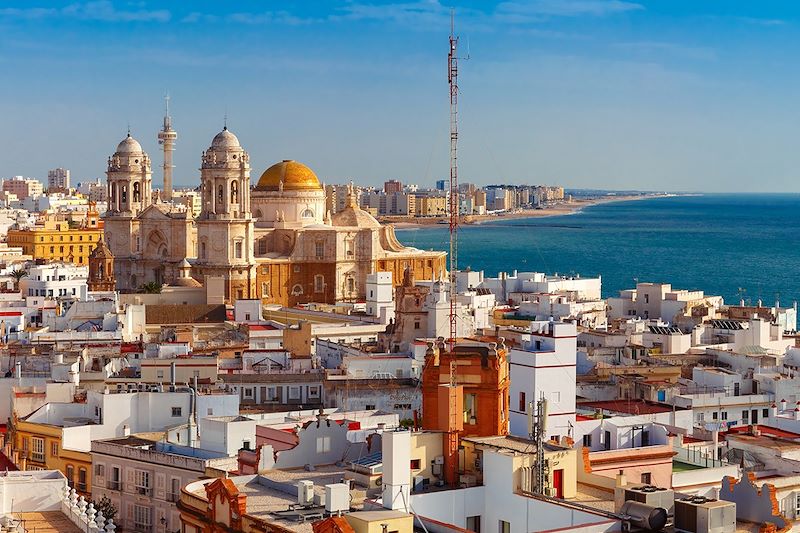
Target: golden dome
(288, 175)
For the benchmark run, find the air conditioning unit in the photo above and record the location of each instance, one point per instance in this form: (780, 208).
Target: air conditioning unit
(646, 494)
(337, 498)
(305, 492)
(696, 514)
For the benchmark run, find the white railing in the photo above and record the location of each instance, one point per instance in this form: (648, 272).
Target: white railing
(84, 515)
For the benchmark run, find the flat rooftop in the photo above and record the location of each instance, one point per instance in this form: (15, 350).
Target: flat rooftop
(273, 493)
(629, 407)
(48, 522)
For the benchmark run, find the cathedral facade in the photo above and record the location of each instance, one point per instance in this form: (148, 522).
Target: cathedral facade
(274, 241)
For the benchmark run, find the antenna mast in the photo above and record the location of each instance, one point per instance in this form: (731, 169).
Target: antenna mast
(452, 81)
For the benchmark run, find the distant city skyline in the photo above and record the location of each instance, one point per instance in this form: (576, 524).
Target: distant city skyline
(600, 94)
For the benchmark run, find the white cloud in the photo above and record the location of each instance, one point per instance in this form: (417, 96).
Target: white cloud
(101, 10)
(535, 10)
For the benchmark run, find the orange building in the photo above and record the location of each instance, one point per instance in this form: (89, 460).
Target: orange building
(465, 394)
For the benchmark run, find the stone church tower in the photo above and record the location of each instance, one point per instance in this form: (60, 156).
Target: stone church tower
(101, 269)
(224, 226)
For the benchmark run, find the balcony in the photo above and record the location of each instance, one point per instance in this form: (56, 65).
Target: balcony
(171, 497)
(114, 485)
(144, 491)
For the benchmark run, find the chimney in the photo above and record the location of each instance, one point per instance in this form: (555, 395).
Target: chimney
(173, 371)
(797, 412)
(396, 450)
(620, 479)
(126, 430)
(773, 410)
(18, 370)
(783, 405)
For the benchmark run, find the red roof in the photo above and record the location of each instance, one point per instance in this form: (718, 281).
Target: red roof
(261, 327)
(767, 431)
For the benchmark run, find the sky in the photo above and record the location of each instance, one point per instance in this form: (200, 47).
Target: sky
(678, 95)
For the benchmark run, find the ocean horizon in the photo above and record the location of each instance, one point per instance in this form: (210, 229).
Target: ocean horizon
(734, 245)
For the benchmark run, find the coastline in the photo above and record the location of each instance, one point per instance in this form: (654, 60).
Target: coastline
(560, 209)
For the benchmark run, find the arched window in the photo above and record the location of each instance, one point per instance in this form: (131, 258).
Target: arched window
(297, 290)
(308, 213)
(234, 192)
(136, 193)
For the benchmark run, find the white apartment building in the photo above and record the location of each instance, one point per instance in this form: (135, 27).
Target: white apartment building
(542, 364)
(56, 280)
(660, 300)
(517, 287)
(58, 178)
(143, 478)
(108, 415)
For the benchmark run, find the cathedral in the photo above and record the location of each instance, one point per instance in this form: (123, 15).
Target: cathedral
(273, 241)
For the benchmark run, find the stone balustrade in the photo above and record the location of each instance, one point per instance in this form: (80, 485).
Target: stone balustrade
(84, 515)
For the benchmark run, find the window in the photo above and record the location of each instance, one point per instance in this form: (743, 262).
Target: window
(470, 408)
(115, 483)
(523, 405)
(724, 415)
(175, 490)
(351, 285)
(313, 392)
(646, 478)
(765, 413)
(745, 416)
(176, 411)
(37, 449)
(294, 393)
(71, 476)
(555, 396)
(587, 440)
(319, 283)
(100, 470)
(82, 479)
(505, 527)
(238, 249)
(142, 480)
(54, 449)
(265, 290)
(210, 412)
(323, 444)
(369, 407)
(248, 393)
(416, 324)
(415, 464)
(141, 518)
(319, 249)
(246, 444)
(714, 415)
(159, 374)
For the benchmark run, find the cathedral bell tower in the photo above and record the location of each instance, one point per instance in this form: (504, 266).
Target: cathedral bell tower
(130, 181)
(101, 268)
(224, 226)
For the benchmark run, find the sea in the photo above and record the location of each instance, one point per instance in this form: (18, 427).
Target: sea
(739, 246)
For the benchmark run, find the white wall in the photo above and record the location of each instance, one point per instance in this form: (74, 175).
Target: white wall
(25, 492)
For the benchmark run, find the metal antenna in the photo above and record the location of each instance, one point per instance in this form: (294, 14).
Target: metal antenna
(452, 80)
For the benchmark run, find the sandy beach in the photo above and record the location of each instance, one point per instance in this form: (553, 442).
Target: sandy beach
(561, 208)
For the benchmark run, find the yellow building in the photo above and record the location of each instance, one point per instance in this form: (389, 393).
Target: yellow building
(56, 241)
(38, 447)
(431, 206)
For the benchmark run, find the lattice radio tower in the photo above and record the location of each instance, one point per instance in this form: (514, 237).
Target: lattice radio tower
(452, 81)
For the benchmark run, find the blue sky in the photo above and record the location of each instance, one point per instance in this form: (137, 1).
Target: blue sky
(668, 95)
